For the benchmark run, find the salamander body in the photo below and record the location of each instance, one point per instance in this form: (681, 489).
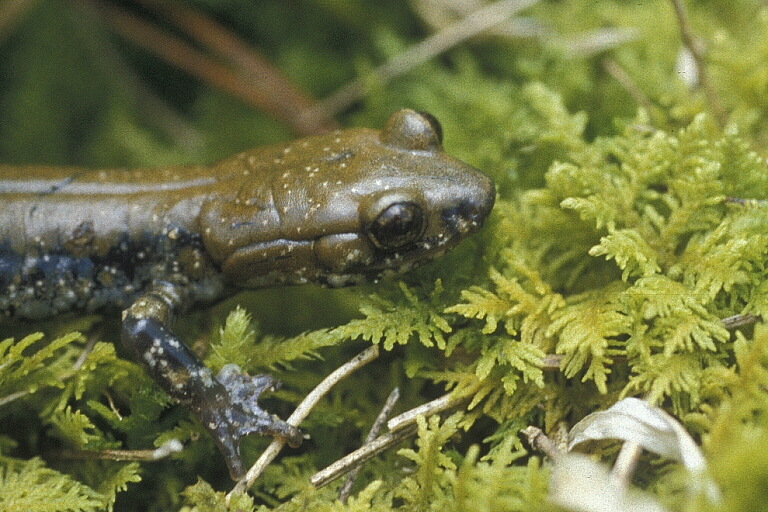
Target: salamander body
(339, 209)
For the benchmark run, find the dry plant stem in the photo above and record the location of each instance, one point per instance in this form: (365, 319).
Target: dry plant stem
(441, 404)
(736, 321)
(539, 441)
(284, 96)
(13, 396)
(472, 25)
(166, 450)
(11, 13)
(183, 56)
(552, 362)
(620, 75)
(86, 350)
(151, 106)
(690, 41)
(378, 424)
(625, 465)
(301, 412)
(747, 202)
(356, 458)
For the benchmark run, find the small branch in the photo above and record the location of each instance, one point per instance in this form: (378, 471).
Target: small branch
(301, 412)
(552, 362)
(283, 96)
(697, 51)
(539, 441)
(185, 57)
(627, 82)
(470, 26)
(86, 350)
(361, 455)
(757, 203)
(112, 63)
(13, 396)
(378, 424)
(438, 405)
(736, 321)
(167, 449)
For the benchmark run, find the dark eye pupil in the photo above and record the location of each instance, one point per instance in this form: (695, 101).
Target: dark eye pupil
(398, 225)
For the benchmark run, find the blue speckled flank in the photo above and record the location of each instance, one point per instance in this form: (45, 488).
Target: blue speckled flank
(10, 265)
(42, 284)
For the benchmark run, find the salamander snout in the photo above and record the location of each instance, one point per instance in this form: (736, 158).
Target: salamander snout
(467, 216)
(468, 213)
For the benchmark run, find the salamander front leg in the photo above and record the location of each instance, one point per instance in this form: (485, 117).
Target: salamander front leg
(226, 405)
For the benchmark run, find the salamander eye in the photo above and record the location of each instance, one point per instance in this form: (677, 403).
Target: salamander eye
(411, 130)
(398, 225)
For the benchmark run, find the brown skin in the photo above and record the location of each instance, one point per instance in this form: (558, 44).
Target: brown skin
(338, 209)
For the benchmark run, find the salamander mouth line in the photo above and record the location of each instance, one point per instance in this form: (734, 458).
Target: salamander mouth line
(290, 245)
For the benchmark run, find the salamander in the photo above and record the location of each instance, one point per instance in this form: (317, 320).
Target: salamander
(337, 209)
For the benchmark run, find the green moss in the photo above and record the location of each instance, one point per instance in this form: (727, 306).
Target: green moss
(620, 240)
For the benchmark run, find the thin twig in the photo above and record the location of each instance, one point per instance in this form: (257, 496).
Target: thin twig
(361, 455)
(539, 441)
(736, 321)
(441, 404)
(756, 203)
(113, 64)
(552, 362)
(473, 24)
(187, 58)
(87, 349)
(167, 449)
(284, 97)
(697, 51)
(301, 412)
(378, 424)
(627, 82)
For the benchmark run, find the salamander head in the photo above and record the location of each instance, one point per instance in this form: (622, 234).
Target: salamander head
(355, 206)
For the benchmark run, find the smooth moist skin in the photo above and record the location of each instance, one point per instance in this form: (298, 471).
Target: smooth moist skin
(338, 209)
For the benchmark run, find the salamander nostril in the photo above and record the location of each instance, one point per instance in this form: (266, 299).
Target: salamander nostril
(464, 217)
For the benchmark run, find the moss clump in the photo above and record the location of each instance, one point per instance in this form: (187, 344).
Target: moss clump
(631, 221)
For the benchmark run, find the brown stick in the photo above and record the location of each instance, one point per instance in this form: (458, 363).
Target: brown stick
(284, 97)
